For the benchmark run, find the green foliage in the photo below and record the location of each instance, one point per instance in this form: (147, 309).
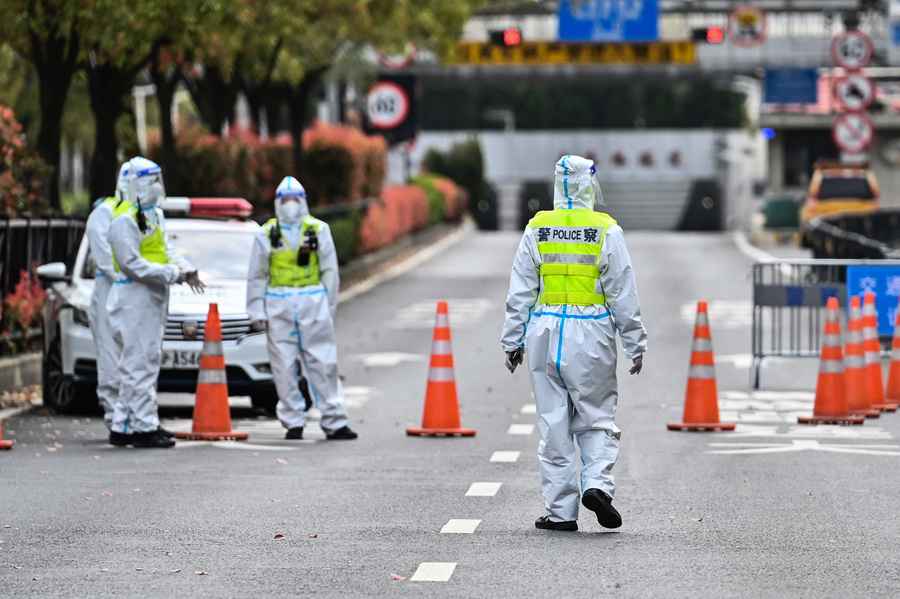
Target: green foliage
(22, 172)
(435, 198)
(326, 170)
(345, 233)
(464, 165)
(562, 102)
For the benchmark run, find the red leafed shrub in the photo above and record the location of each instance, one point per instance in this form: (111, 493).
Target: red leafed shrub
(455, 198)
(22, 172)
(400, 210)
(23, 305)
(369, 155)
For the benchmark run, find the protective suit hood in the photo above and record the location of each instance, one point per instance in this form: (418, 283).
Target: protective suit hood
(576, 185)
(122, 182)
(145, 183)
(286, 213)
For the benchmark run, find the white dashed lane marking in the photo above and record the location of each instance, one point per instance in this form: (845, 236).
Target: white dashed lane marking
(520, 429)
(483, 489)
(460, 526)
(505, 456)
(433, 572)
(529, 408)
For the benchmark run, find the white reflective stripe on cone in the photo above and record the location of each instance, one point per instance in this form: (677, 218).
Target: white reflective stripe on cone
(703, 319)
(702, 372)
(873, 357)
(895, 354)
(855, 362)
(831, 366)
(442, 321)
(212, 376)
(440, 375)
(831, 340)
(854, 338)
(441, 348)
(212, 348)
(702, 345)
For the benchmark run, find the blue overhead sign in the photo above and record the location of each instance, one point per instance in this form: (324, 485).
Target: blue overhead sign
(791, 86)
(608, 20)
(884, 282)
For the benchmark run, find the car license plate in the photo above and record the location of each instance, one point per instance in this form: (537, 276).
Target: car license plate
(180, 359)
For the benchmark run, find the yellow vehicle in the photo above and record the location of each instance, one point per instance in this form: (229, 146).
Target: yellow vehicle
(840, 188)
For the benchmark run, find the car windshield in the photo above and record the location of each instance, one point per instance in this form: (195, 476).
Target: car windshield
(856, 188)
(218, 255)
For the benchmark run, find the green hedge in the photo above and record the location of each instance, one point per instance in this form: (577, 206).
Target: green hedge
(435, 198)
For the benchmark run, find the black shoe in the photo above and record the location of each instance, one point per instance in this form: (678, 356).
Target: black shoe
(345, 433)
(165, 433)
(295, 433)
(119, 439)
(152, 440)
(545, 523)
(601, 504)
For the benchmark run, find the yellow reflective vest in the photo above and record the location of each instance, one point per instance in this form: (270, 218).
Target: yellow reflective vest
(284, 271)
(570, 243)
(153, 244)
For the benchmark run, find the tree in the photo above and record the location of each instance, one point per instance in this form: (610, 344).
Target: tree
(47, 33)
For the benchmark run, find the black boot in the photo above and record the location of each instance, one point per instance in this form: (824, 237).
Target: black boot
(545, 523)
(119, 439)
(345, 433)
(295, 433)
(601, 504)
(152, 440)
(165, 433)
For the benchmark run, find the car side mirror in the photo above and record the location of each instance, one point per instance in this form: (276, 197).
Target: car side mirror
(53, 272)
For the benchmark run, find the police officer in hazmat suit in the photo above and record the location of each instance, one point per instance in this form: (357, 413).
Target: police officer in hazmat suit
(145, 265)
(292, 293)
(572, 288)
(107, 358)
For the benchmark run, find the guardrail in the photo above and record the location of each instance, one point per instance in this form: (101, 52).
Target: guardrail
(853, 236)
(789, 297)
(26, 242)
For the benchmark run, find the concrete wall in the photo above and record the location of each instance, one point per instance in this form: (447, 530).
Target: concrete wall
(642, 195)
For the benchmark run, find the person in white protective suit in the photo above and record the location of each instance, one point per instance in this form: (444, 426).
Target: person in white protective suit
(97, 230)
(292, 293)
(145, 265)
(572, 288)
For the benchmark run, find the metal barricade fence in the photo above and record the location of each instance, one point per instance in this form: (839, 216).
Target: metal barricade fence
(788, 299)
(27, 242)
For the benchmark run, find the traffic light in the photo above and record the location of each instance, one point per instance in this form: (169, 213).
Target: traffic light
(509, 37)
(708, 35)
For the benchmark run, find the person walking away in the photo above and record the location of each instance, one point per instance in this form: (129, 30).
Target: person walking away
(292, 293)
(572, 288)
(145, 266)
(97, 229)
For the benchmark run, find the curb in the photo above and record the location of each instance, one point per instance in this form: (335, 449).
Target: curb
(8, 413)
(20, 371)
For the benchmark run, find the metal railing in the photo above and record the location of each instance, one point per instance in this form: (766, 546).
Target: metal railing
(850, 235)
(27, 242)
(788, 299)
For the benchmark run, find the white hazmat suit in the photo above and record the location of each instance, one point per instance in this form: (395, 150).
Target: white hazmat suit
(97, 229)
(139, 300)
(300, 319)
(571, 349)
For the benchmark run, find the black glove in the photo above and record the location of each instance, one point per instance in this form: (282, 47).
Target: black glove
(636, 364)
(513, 359)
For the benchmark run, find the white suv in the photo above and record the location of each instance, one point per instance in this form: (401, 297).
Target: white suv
(220, 249)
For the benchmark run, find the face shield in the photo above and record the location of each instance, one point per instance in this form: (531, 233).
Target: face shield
(599, 202)
(290, 202)
(147, 189)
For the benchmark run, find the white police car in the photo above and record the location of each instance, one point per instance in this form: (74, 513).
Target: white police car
(215, 235)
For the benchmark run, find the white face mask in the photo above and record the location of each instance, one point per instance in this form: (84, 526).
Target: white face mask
(289, 213)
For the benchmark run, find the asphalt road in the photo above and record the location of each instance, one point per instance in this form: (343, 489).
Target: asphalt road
(779, 511)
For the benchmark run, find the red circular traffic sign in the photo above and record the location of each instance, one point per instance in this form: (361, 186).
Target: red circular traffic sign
(387, 105)
(398, 61)
(852, 132)
(852, 50)
(854, 92)
(747, 27)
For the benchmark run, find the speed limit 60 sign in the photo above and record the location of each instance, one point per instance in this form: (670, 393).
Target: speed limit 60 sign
(390, 108)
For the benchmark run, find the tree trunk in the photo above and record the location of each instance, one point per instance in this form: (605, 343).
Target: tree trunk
(300, 96)
(107, 86)
(215, 98)
(54, 87)
(166, 85)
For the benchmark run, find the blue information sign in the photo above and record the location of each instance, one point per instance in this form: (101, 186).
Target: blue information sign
(791, 86)
(884, 282)
(608, 20)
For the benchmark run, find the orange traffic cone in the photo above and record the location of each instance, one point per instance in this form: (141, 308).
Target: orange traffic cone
(701, 404)
(831, 388)
(441, 415)
(212, 414)
(5, 444)
(874, 375)
(855, 365)
(893, 387)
